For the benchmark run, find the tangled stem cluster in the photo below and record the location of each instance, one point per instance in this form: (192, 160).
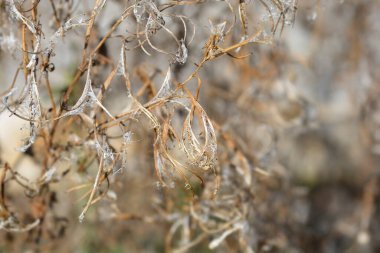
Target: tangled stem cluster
(81, 123)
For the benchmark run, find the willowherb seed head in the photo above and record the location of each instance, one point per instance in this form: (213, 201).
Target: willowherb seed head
(182, 53)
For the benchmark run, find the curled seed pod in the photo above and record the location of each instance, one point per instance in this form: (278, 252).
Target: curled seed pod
(50, 67)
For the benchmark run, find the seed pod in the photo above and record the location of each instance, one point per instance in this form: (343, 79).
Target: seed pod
(50, 67)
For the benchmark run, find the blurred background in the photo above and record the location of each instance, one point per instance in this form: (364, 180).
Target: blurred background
(296, 114)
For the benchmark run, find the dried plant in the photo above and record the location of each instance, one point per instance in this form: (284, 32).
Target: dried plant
(123, 98)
